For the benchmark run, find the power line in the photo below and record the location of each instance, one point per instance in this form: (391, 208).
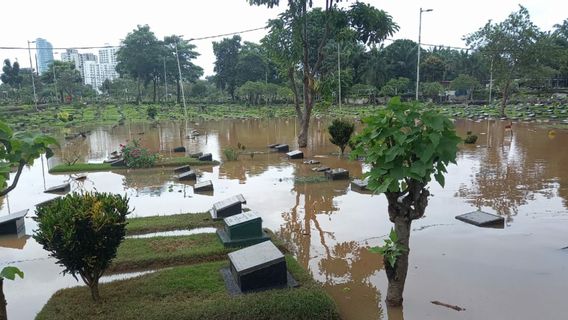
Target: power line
(109, 47)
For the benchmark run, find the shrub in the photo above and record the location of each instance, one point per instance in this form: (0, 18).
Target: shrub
(231, 154)
(340, 132)
(152, 112)
(470, 138)
(136, 156)
(82, 232)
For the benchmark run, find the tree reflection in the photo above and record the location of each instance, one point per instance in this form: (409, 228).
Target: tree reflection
(514, 167)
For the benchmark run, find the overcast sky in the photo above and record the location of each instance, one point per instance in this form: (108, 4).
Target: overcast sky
(68, 23)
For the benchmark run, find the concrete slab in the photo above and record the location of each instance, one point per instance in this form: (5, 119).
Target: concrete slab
(337, 174)
(296, 154)
(203, 186)
(195, 155)
(228, 207)
(186, 176)
(272, 145)
(311, 162)
(321, 169)
(282, 148)
(62, 188)
(206, 157)
(179, 149)
(482, 219)
(12, 223)
(182, 169)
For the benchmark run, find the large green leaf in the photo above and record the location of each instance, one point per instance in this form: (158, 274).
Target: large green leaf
(10, 273)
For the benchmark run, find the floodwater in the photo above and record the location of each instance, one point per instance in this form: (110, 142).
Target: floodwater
(519, 272)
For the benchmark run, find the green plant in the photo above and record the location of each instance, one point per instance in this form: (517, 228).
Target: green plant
(152, 112)
(82, 232)
(405, 145)
(9, 273)
(231, 154)
(470, 138)
(136, 156)
(340, 131)
(391, 250)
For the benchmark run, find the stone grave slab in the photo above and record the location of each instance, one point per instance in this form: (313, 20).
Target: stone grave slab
(195, 155)
(206, 157)
(228, 207)
(187, 176)
(282, 148)
(321, 169)
(62, 188)
(243, 229)
(43, 203)
(311, 162)
(296, 154)
(179, 149)
(182, 169)
(337, 174)
(13, 223)
(258, 267)
(203, 186)
(118, 163)
(482, 219)
(272, 145)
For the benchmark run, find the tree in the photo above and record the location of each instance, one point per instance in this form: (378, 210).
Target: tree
(64, 77)
(186, 52)
(340, 132)
(432, 90)
(227, 57)
(465, 83)
(82, 232)
(510, 45)
(140, 56)
(17, 150)
(299, 37)
(11, 74)
(405, 145)
(395, 87)
(400, 59)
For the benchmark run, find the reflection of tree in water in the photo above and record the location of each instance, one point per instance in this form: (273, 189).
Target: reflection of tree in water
(346, 267)
(513, 170)
(147, 181)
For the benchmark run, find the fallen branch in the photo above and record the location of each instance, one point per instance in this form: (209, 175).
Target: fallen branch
(457, 308)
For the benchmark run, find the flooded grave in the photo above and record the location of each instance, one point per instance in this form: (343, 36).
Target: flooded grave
(228, 207)
(282, 148)
(62, 188)
(203, 186)
(118, 163)
(482, 219)
(296, 154)
(195, 155)
(206, 157)
(187, 176)
(182, 169)
(13, 223)
(337, 174)
(258, 267)
(179, 149)
(242, 230)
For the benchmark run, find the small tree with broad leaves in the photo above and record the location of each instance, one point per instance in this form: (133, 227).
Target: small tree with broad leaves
(405, 146)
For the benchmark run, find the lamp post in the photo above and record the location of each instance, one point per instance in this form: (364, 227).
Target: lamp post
(419, 49)
(32, 73)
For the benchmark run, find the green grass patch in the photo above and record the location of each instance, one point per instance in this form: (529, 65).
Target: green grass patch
(159, 252)
(167, 162)
(191, 292)
(183, 221)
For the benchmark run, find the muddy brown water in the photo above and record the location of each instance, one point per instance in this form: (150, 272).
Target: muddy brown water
(519, 272)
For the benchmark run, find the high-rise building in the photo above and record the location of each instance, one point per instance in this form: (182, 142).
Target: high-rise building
(94, 70)
(44, 54)
(108, 55)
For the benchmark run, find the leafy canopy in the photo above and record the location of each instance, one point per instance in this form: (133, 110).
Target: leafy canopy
(403, 142)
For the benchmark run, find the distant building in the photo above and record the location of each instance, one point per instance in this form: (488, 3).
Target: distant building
(94, 70)
(44, 54)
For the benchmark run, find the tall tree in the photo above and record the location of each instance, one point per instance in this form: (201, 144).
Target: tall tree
(298, 40)
(11, 74)
(186, 52)
(227, 57)
(140, 56)
(65, 79)
(511, 46)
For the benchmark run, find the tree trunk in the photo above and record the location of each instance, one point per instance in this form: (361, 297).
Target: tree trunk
(139, 96)
(303, 136)
(505, 98)
(178, 91)
(3, 304)
(94, 286)
(155, 89)
(397, 275)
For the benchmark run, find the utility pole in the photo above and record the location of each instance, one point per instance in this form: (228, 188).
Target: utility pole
(181, 87)
(419, 49)
(491, 81)
(32, 74)
(166, 79)
(339, 73)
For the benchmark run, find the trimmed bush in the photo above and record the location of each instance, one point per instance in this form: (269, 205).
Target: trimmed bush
(136, 156)
(82, 232)
(340, 132)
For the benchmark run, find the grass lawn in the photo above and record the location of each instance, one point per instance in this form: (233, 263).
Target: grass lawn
(158, 252)
(183, 221)
(169, 162)
(191, 292)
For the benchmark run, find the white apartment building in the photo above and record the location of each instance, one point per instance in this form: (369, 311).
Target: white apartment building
(94, 73)
(94, 70)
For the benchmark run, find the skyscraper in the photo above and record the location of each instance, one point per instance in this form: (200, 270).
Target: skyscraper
(44, 54)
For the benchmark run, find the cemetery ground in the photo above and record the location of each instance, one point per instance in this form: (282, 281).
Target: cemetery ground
(187, 283)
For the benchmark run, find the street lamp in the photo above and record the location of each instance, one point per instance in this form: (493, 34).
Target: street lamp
(418, 59)
(32, 73)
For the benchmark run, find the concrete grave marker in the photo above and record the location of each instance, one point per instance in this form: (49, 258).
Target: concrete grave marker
(195, 155)
(206, 157)
(13, 223)
(282, 148)
(182, 169)
(482, 219)
(203, 186)
(242, 230)
(337, 174)
(187, 176)
(296, 154)
(228, 207)
(62, 188)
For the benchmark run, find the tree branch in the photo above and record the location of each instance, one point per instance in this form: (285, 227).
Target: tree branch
(16, 178)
